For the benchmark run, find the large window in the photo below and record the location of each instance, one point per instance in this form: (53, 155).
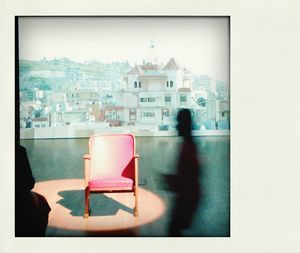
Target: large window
(87, 89)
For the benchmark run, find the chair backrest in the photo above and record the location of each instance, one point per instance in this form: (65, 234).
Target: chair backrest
(112, 155)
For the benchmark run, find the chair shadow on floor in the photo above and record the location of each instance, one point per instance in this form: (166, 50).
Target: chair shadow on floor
(100, 204)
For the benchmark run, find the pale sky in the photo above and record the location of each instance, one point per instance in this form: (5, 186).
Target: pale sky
(201, 44)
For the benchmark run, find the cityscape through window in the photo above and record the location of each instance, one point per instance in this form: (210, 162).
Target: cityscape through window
(63, 89)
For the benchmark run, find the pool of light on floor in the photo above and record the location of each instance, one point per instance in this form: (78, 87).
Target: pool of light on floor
(151, 207)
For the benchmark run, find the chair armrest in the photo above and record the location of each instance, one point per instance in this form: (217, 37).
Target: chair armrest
(87, 163)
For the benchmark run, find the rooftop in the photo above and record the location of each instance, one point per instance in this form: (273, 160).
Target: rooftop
(172, 65)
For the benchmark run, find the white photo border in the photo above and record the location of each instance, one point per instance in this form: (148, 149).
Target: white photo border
(265, 39)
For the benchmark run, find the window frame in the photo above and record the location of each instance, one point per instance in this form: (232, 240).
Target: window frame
(151, 99)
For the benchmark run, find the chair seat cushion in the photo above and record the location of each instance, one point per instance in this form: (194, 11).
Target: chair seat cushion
(111, 183)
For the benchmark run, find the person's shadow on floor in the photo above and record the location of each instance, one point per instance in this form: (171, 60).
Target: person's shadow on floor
(100, 205)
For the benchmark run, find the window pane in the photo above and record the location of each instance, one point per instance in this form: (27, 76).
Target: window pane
(167, 98)
(132, 114)
(201, 102)
(147, 114)
(182, 98)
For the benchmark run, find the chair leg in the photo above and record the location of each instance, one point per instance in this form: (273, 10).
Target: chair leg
(87, 202)
(136, 208)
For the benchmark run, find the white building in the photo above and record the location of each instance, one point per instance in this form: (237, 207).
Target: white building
(70, 118)
(80, 99)
(155, 92)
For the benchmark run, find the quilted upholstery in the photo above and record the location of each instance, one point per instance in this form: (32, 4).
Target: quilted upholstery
(121, 183)
(111, 155)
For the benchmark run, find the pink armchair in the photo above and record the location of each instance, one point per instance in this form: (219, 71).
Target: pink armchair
(111, 166)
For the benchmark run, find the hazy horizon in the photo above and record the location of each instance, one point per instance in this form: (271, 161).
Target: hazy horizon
(200, 44)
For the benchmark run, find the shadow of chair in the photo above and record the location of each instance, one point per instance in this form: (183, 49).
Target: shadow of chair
(103, 205)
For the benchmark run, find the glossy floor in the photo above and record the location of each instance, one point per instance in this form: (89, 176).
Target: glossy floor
(56, 159)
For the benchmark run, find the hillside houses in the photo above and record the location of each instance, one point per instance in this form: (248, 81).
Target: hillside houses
(148, 98)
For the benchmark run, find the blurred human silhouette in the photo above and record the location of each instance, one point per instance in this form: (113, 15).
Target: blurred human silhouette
(185, 183)
(31, 209)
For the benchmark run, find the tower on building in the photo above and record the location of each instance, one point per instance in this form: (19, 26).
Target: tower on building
(152, 58)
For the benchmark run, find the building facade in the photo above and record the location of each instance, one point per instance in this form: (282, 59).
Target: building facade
(154, 93)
